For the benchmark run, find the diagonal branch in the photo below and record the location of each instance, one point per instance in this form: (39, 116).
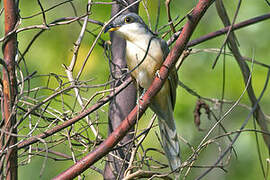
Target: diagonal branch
(121, 104)
(258, 113)
(129, 121)
(8, 165)
(86, 112)
(221, 31)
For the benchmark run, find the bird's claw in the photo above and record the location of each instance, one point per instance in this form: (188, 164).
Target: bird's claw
(143, 92)
(141, 98)
(157, 74)
(138, 103)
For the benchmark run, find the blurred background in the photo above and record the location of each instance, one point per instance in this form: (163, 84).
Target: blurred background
(54, 47)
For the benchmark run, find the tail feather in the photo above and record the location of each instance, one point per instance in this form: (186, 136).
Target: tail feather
(162, 104)
(170, 142)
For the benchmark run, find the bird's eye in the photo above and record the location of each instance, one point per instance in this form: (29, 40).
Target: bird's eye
(128, 20)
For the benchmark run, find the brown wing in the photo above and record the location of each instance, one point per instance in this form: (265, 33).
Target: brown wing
(173, 76)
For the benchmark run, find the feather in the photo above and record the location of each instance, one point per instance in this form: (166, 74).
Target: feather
(145, 54)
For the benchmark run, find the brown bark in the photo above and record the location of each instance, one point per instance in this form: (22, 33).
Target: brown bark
(122, 104)
(117, 135)
(9, 162)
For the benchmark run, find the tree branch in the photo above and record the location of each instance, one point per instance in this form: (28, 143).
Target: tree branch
(67, 123)
(221, 31)
(130, 120)
(258, 113)
(122, 104)
(9, 168)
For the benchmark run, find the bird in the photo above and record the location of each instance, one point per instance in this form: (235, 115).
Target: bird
(145, 53)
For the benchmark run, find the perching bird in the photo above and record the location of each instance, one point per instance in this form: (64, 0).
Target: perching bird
(139, 41)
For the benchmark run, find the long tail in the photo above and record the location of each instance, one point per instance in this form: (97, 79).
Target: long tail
(170, 142)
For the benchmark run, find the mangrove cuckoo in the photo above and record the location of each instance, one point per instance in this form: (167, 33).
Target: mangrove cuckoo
(145, 53)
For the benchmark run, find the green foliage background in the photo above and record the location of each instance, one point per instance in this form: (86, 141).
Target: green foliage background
(54, 48)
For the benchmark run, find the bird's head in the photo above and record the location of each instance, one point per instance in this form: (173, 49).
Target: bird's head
(128, 26)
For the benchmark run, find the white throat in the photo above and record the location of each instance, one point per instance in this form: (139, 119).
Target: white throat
(134, 32)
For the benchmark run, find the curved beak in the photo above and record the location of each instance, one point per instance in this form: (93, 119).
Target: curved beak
(110, 28)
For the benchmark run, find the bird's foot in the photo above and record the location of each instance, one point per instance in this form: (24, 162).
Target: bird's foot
(141, 98)
(157, 74)
(143, 92)
(139, 101)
